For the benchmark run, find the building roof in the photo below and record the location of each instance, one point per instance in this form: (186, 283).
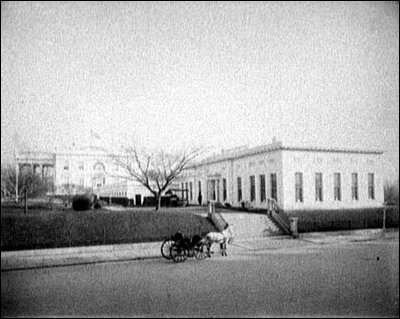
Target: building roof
(246, 151)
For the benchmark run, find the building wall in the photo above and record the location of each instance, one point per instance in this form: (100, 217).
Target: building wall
(83, 171)
(285, 163)
(244, 167)
(124, 189)
(328, 163)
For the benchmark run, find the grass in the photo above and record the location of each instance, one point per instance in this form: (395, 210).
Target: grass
(61, 227)
(56, 226)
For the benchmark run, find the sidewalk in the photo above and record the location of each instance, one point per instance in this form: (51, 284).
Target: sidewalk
(27, 259)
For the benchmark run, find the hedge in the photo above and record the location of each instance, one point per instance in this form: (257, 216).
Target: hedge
(344, 219)
(66, 228)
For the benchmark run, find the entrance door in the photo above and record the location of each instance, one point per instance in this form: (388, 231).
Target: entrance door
(211, 189)
(138, 199)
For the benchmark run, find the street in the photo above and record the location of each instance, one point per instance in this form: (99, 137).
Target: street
(355, 279)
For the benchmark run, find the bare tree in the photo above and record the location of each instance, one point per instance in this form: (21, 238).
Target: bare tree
(154, 170)
(28, 184)
(391, 192)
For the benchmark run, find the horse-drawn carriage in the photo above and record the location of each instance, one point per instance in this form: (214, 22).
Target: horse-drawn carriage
(179, 248)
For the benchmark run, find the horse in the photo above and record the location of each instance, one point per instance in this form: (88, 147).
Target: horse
(220, 238)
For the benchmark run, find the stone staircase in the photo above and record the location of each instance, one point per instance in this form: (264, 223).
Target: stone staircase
(248, 225)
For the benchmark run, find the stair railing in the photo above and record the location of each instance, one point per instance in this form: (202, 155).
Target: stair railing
(278, 216)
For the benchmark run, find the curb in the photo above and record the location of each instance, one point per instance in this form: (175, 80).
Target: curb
(76, 250)
(59, 257)
(40, 258)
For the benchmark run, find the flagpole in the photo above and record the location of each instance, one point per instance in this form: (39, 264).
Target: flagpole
(16, 175)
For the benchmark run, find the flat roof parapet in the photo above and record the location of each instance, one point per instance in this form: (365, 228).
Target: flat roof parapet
(246, 151)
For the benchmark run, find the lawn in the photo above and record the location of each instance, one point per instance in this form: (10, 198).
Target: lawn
(332, 220)
(63, 227)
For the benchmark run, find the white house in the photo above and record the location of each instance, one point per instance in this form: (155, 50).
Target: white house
(78, 169)
(298, 178)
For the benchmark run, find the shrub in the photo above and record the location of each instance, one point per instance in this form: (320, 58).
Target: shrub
(81, 203)
(97, 205)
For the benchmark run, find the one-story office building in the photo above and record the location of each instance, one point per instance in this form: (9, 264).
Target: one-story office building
(298, 178)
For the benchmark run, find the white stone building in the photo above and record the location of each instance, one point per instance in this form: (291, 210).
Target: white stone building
(77, 170)
(298, 178)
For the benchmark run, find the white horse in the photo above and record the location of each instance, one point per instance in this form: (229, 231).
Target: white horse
(220, 238)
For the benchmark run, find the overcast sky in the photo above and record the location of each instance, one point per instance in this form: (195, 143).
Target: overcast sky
(217, 74)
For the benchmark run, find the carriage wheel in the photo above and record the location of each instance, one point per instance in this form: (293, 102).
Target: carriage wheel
(200, 251)
(166, 248)
(179, 254)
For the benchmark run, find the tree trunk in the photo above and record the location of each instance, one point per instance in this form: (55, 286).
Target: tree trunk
(158, 201)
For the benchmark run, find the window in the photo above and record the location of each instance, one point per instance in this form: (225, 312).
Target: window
(224, 189)
(199, 188)
(262, 188)
(99, 167)
(239, 188)
(318, 187)
(186, 191)
(274, 189)
(66, 165)
(371, 190)
(354, 186)
(337, 186)
(218, 190)
(81, 167)
(252, 188)
(183, 187)
(299, 187)
(191, 190)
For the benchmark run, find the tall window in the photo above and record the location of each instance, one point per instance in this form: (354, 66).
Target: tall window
(274, 188)
(299, 187)
(239, 188)
(81, 166)
(224, 189)
(191, 190)
(371, 188)
(262, 188)
(337, 187)
(183, 193)
(199, 187)
(186, 191)
(252, 188)
(354, 186)
(318, 187)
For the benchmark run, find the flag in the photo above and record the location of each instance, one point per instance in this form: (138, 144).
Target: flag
(94, 134)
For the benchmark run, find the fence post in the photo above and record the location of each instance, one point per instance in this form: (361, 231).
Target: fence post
(293, 227)
(211, 209)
